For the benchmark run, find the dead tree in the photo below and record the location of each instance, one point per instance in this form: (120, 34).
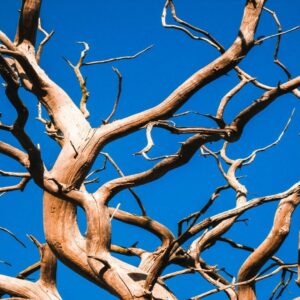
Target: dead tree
(64, 183)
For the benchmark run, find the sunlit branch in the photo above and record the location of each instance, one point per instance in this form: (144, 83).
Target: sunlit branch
(162, 232)
(261, 103)
(190, 34)
(219, 122)
(270, 245)
(20, 186)
(6, 41)
(94, 180)
(128, 251)
(150, 142)
(50, 127)
(168, 125)
(29, 270)
(211, 275)
(82, 81)
(186, 151)
(64, 189)
(31, 79)
(44, 41)
(15, 154)
(176, 273)
(205, 151)
(187, 113)
(14, 174)
(276, 51)
(188, 148)
(226, 99)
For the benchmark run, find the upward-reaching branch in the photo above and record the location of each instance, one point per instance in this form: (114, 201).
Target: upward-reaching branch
(220, 66)
(28, 22)
(269, 246)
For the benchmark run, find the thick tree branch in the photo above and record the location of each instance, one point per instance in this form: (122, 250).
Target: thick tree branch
(28, 22)
(211, 72)
(269, 246)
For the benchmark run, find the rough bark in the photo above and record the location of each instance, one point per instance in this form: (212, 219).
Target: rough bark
(64, 189)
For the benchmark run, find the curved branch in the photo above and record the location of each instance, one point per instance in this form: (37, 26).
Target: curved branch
(269, 246)
(209, 73)
(183, 155)
(210, 221)
(120, 80)
(162, 232)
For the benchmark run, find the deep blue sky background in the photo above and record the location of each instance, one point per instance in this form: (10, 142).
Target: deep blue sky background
(116, 28)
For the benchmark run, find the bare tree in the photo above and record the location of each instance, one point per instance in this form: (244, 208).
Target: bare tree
(64, 185)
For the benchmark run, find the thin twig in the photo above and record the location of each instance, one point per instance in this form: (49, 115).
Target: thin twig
(251, 157)
(5, 263)
(94, 180)
(82, 81)
(114, 212)
(44, 41)
(13, 235)
(246, 248)
(214, 42)
(40, 115)
(196, 215)
(14, 174)
(276, 51)
(97, 62)
(187, 113)
(117, 97)
(189, 33)
(134, 194)
(176, 273)
(19, 186)
(98, 170)
(35, 241)
(261, 40)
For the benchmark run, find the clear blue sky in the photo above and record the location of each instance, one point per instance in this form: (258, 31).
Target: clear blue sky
(117, 28)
